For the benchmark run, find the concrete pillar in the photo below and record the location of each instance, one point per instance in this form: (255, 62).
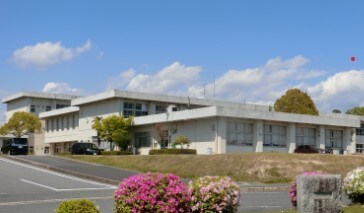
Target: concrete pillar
(348, 141)
(220, 125)
(353, 143)
(291, 138)
(151, 108)
(320, 138)
(258, 136)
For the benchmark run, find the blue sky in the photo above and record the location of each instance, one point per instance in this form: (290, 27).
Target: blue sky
(245, 51)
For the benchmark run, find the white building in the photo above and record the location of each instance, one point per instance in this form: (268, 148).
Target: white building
(35, 102)
(214, 127)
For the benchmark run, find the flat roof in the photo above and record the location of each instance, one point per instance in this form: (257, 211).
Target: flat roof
(38, 95)
(233, 112)
(61, 111)
(160, 98)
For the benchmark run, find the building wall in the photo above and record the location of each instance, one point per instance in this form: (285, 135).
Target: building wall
(19, 105)
(66, 131)
(99, 109)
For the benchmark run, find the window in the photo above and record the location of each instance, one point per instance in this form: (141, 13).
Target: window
(333, 138)
(305, 136)
(142, 139)
(59, 106)
(52, 125)
(133, 109)
(57, 124)
(160, 109)
(359, 148)
(274, 136)
(67, 122)
(32, 108)
(48, 108)
(360, 131)
(61, 123)
(240, 134)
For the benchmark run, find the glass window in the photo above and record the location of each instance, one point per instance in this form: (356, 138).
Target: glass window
(305, 136)
(359, 148)
(32, 108)
(240, 133)
(133, 109)
(274, 136)
(333, 138)
(160, 109)
(48, 108)
(142, 139)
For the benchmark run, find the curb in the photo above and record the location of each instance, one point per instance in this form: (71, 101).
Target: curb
(264, 189)
(244, 187)
(65, 171)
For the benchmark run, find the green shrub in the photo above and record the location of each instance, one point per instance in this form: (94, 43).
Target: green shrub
(77, 206)
(214, 194)
(182, 140)
(116, 153)
(173, 152)
(354, 185)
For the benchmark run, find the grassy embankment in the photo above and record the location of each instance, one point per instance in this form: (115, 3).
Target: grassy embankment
(249, 167)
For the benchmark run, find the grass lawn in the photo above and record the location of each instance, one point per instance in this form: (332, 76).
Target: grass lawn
(247, 167)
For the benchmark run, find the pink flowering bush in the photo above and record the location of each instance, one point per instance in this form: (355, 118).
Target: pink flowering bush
(354, 185)
(214, 194)
(293, 187)
(152, 192)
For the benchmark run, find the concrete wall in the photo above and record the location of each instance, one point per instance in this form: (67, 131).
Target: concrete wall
(62, 134)
(202, 134)
(99, 109)
(19, 105)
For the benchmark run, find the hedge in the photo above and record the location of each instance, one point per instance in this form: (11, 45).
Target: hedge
(173, 152)
(116, 153)
(77, 205)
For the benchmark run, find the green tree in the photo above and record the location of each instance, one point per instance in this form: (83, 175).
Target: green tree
(336, 111)
(114, 129)
(182, 140)
(21, 123)
(296, 101)
(356, 111)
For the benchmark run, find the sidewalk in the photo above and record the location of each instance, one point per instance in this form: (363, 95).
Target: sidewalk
(111, 175)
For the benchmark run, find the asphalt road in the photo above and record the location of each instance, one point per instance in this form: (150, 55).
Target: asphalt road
(38, 198)
(28, 189)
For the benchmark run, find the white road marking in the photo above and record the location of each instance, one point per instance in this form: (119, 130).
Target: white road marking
(38, 184)
(57, 174)
(64, 190)
(50, 201)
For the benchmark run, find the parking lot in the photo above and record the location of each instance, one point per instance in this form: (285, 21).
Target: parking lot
(25, 188)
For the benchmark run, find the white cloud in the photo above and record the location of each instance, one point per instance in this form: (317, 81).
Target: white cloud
(256, 85)
(61, 88)
(259, 85)
(174, 79)
(342, 90)
(43, 55)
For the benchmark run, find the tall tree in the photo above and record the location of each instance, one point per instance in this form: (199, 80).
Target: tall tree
(336, 111)
(296, 101)
(356, 111)
(21, 123)
(114, 129)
